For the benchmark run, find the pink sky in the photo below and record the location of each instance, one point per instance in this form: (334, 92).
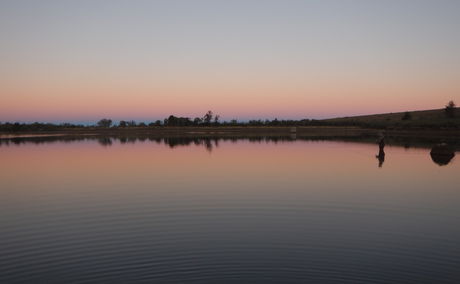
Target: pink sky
(81, 61)
(56, 99)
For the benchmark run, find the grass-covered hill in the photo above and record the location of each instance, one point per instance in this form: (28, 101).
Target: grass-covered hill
(426, 118)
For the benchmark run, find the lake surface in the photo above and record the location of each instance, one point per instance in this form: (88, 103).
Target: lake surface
(129, 211)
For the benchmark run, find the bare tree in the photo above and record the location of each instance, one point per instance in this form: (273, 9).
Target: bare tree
(207, 118)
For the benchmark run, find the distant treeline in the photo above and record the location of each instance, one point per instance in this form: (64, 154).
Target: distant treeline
(37, 126)
(209, 119)
(449, 120)
(172, 121)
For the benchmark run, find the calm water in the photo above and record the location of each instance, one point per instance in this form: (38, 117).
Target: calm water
(240, 211)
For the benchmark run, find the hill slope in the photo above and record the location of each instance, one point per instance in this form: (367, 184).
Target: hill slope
(424, 118)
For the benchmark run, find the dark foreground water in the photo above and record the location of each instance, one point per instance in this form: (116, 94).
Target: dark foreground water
(115, 211)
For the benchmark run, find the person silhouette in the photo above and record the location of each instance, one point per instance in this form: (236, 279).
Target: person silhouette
(381, 155)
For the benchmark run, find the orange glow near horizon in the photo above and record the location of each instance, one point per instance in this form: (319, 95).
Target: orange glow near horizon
(47, 102)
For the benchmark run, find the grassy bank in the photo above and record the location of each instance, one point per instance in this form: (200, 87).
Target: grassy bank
(194, 131)
(304, 131)
(210, 137)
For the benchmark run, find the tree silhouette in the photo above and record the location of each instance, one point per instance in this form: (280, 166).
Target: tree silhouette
(131, 123)
(106, 123)
(207, 118)
(450, 109)
(197, 121)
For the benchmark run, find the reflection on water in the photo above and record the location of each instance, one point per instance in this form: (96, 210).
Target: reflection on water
(442, 160)
(221, 209)
(381, 155)
(442, 154)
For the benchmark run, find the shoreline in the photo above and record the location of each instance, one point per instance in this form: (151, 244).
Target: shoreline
(230, 131)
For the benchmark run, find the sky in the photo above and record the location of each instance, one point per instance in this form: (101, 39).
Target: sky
(78, 61)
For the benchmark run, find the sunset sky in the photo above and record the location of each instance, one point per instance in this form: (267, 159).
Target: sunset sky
(79, 61)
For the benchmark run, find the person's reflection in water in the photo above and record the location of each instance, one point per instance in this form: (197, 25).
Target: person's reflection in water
(381, 155)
